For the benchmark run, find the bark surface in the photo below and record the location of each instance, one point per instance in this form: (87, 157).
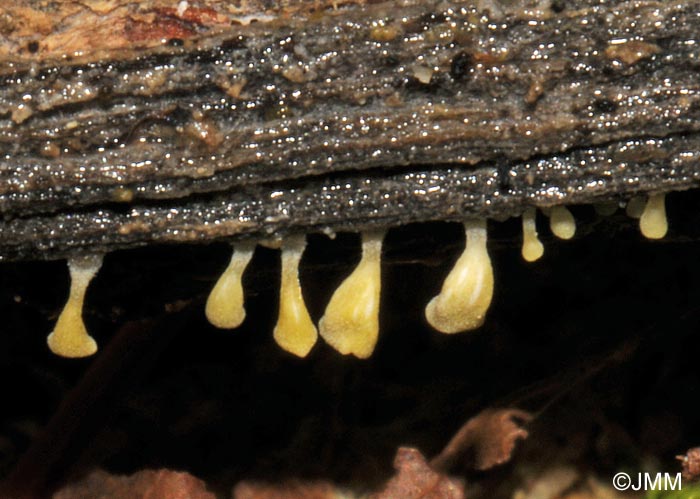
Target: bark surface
(125, 124)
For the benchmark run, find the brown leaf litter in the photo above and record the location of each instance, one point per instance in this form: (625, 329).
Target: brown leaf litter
(147, 484)
(489, 437)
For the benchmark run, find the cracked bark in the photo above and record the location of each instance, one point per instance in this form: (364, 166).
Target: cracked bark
(365, 116)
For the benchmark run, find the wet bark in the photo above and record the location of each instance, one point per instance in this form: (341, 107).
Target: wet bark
(194, 129)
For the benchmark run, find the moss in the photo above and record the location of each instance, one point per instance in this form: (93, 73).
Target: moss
(687, 492)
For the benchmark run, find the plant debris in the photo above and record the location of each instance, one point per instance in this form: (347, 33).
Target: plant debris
(416, 480)
(691, 464)
(549, 484)
(153, 484)
(289, 490)
(490, 437)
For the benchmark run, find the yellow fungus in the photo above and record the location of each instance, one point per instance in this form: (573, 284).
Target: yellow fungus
(532, 249)
(562, 222)
(70, 337)
(653, 222)
(225, 306)
(294, 332)
(351, 321)
(635, 206)
(468, 289)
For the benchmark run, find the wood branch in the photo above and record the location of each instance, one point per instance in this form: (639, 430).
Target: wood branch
(195, 126)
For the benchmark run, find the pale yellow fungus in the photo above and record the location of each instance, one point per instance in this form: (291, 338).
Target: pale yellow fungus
(351, 321)
(653, 222)
(562, 222)
(468, 289)
(635, 206)
(70, 337)
(294, 332)
(532, 249)
(225, 306)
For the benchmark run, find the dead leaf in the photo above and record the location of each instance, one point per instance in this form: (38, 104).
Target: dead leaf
(416, 480)
(691, 464)
(289, 490)
(490, 437)
(151, 484)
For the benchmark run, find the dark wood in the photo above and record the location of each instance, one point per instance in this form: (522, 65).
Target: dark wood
(318, 119)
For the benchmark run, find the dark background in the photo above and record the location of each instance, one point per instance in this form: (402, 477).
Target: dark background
(599, 339)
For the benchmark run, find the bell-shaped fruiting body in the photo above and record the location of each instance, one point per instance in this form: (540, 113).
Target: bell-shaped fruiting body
(468, 288)
(70, 337)
(635, 206)
(562, 222)
(225, 306)
(350, 323)
(532, 249)
(294, 332)
(653, 222)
